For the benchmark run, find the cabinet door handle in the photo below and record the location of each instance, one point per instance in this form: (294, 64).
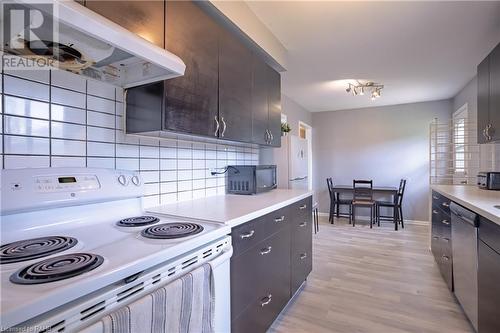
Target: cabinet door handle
(279, 219)
(445, 204)
(445, 222)
(303, 224)
(488, 136)
(247, 234)
(266, 137)
(435, 237)
(435, 211)
(434, 197)
(266, 300)
(304, 206)
(266, 250)
(217, 126)
(446, 239)
(446, 258)
(272, 136)
(224, 128)
(303, 256)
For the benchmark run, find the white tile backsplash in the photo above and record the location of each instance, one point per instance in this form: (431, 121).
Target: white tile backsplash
(26, 107)
(68, 80)
(67, 97)
(26, 126)
(67, 147)
(24, 88)
(25, 145)
(83, 126)
(68, 114)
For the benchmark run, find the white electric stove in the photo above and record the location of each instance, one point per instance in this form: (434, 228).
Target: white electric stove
(76, 242)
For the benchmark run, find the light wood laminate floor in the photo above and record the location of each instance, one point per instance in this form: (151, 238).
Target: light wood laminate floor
(377, 280)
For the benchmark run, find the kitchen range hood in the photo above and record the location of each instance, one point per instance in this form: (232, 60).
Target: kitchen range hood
(88, 44)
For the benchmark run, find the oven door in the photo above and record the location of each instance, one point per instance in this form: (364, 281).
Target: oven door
(90, 313)
(265, 178)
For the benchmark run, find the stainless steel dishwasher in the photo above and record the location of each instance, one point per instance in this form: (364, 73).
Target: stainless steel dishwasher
(464, 225)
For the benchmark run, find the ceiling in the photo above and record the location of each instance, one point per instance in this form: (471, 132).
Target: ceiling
(420, 51)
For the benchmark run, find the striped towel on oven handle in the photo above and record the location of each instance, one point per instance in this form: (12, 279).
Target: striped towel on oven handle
(185, 305)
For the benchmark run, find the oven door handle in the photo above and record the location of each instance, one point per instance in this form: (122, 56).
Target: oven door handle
(224, 256)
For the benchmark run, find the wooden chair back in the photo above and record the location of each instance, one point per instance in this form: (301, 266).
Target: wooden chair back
(363, 190)
(401, 191)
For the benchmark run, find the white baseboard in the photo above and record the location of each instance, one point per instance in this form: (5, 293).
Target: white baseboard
(365, 218)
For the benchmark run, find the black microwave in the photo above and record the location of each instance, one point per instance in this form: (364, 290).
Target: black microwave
(250, 179)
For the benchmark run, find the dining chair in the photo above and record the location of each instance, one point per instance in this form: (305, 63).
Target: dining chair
(363, 197)
(315, 211)
(336, 202)
(396, 205)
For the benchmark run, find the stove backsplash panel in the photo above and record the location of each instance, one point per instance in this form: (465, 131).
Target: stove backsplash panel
(59, 119)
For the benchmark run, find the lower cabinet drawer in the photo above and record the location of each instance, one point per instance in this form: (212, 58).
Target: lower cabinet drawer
(436, 247)
(301, 263)
(259, 270)
(259, 316)
(446, 268)
(439, 200)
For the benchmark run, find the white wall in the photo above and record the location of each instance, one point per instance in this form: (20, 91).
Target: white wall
(381, 143)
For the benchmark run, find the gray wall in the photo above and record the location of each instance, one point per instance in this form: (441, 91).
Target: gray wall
(381, 143)
(295, 113)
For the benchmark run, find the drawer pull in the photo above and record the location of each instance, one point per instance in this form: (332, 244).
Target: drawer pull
(303, 256)
(247, 234)
(445, 222)
(435, 211)
(266, 300)
(279, 219)
(446, 240)
(266, 250)
(304, 206)
(435, 237)
(303, 224)
(446, 258)
(434, 197)
(445, 204)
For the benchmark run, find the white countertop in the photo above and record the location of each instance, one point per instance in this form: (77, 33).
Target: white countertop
(232, 209)
(480, 201)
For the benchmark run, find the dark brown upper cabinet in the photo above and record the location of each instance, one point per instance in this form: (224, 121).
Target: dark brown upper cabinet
(275, 108)
(488, 98)
(191, 101)
(235, 88)
(145, 18)
(260, 102)
(227, 91)
(266, 104)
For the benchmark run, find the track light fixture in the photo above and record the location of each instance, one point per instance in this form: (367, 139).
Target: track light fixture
(359, 89)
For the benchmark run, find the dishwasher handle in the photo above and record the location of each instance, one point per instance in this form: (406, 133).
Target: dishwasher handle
(464, 214)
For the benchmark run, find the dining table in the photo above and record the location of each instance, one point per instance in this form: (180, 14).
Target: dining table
(380, 190)
(386, 190)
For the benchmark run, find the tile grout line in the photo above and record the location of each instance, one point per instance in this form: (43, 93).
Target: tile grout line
(50, 118)
(86, 126)
(3, 120)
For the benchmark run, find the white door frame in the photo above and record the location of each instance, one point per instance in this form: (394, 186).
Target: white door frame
(310, 154)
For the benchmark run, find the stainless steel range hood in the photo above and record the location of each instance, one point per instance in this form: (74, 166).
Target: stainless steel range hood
(88, 44)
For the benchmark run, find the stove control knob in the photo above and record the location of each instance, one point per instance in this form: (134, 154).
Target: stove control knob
(122, 180)
(136, 180)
